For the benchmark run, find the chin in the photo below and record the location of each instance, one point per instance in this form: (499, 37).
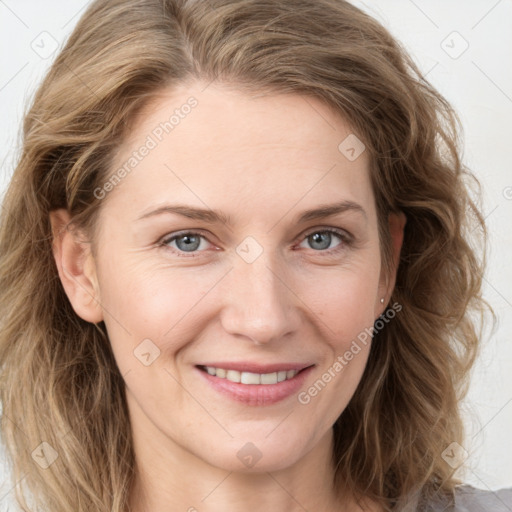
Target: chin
(258, 454)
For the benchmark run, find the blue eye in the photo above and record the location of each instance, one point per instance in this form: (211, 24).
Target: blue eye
(320, 240)
(185, 242)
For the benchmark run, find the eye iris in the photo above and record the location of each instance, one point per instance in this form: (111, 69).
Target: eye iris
(317, 237)
(191, 244)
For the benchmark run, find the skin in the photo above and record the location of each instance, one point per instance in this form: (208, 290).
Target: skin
(262, 161)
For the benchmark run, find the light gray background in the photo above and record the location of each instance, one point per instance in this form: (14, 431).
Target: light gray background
(478, 82)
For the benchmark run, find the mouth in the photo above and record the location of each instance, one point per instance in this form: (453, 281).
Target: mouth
(264, 385)
(252, 378)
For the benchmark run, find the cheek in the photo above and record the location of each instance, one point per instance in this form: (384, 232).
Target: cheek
(344, 301)
(345, 305)
(160, 304)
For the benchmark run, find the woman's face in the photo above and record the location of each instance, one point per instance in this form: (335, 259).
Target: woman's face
(250, 277)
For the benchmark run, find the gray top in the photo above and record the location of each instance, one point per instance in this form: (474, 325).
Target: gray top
(467, 499)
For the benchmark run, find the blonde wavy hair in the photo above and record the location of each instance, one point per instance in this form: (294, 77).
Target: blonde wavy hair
(59, 380)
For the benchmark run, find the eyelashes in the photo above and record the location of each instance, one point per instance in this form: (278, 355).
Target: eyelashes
(195, 237)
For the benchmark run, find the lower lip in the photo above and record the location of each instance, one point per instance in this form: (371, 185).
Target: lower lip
(257, 394)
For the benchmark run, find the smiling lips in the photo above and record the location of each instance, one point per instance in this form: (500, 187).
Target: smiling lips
(255, 384)
(251, 378)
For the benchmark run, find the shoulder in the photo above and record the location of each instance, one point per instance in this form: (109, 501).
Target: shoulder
(471, 499)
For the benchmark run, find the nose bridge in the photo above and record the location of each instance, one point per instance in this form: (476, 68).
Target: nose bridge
(259, 304)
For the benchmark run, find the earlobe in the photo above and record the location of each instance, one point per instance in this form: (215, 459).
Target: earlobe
(76, 267)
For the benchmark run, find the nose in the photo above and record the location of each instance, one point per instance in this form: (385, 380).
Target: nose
(259, 303)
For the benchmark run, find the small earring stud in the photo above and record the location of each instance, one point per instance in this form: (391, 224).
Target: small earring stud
(382, 301)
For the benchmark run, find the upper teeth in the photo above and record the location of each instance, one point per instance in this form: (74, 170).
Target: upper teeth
(251, 378)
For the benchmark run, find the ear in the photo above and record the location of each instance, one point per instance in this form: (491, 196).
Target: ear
(76, 266)
(396, 223)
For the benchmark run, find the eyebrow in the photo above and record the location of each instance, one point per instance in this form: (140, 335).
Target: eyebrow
(215, 216)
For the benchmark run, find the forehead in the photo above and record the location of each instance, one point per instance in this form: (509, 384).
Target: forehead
(209, 143)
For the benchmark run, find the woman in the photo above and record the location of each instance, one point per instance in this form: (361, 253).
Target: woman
(242, 227)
